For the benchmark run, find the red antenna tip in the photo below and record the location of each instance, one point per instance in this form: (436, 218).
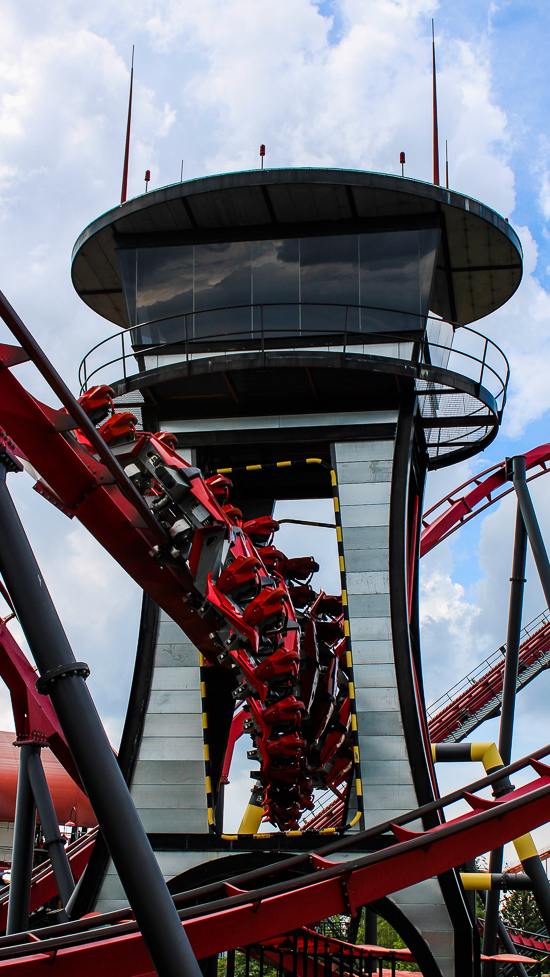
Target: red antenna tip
(262, 150)
(402, 157)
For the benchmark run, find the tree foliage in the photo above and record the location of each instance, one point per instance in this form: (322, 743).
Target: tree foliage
(520, 910)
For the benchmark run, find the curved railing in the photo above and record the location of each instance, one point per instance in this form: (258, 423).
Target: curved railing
(469, 353)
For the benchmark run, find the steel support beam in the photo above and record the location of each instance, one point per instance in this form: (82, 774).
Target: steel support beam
(509, 947)
(371, 926)
(23, 846)
(517, 586)
(535, 536)
(50, 829)
(513, 637)
(64, 682)
(531, 863)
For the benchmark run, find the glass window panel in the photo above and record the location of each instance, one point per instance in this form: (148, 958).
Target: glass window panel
(276, 282)
(127, 259)
(223, 278)
(287, 287)
(440, 337)
(164, 282)
(428, 244)
(213, 324)
(329, 274)
(222, 275)
(396, 274)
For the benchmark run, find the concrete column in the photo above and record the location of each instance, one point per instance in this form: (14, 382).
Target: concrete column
(364, 473)
(169, 787)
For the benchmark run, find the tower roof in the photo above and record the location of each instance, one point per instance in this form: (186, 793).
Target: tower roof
(479, 266)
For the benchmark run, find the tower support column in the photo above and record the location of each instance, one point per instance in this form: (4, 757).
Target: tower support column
(364, 471)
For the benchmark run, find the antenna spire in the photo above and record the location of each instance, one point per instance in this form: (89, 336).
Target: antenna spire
(435, 132)
(127, 148)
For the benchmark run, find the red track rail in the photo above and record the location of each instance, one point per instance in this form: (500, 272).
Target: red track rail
(530, 941)
(465, 711)
(339, 956)
(43, 884)
(232, 593)
(483, 490)
(114, 946)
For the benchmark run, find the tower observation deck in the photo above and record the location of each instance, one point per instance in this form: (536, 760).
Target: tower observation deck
(321, 319)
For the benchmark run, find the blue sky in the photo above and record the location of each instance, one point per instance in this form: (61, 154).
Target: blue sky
(336, 83)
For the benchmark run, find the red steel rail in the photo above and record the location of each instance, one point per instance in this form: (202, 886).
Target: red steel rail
(43, 884)
(113, 945)
(477, 696)
(483, 490)
(535, 942)
(80, 474)
(543, 855)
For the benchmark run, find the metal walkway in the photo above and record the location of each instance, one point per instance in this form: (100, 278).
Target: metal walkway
(478, 695)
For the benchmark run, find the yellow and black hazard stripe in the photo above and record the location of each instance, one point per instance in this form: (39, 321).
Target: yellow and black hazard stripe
(206, 747)
(349, 656)
(349, 665)
(272, 465)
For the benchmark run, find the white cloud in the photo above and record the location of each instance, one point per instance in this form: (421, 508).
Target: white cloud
(544, 195)
(443, 600)
(213, 80)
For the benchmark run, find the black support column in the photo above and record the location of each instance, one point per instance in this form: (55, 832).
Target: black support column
(50, 828)
(23, 846)
(63, 679)
(517, 586)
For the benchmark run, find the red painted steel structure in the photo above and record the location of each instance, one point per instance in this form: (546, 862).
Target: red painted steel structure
(243, 619)
(70, 803)
(43, 884)
(308, 942)
(242, 917)
(34, 715)
(487, 488)
(530, 941)
(543, 855)
(481, 699)
(88, 489)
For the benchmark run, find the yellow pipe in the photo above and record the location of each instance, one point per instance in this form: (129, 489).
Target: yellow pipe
(252, 819)
(476, 880)
(488, 754)
(491, 758)
(525, 847)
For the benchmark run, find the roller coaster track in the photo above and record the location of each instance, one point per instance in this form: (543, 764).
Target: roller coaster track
(467, 704)
(535, 942)
(43, 884)
(237, 912)
(477, 696)
(235, 595)
(81, 476)
(482, 491)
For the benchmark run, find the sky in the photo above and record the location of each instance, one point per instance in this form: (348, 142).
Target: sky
(343, 83)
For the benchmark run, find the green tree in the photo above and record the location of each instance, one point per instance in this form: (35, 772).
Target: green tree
(389, 938)
(521, 910)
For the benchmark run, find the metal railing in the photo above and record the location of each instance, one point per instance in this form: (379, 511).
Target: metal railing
(480, 671)
(469, 353)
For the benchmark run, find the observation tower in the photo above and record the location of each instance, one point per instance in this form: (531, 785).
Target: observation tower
(307, 334)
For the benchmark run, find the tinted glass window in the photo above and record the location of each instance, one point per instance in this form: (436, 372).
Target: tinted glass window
(128, 261)
(396, 274)
(329, 278)
(359, 283)
(164, 291)
(275, 282)
(222, 281)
